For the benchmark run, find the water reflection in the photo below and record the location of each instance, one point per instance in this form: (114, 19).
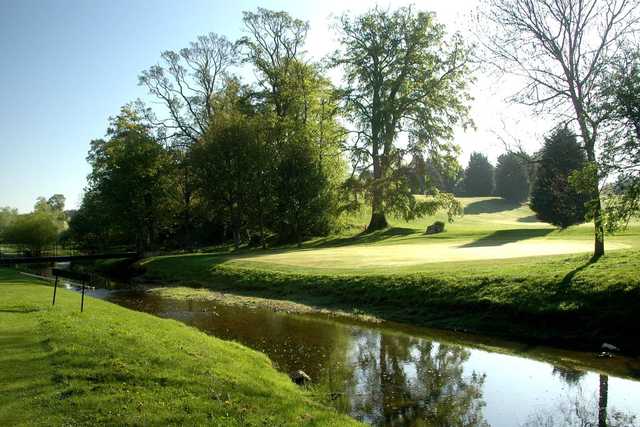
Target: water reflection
(391, 378)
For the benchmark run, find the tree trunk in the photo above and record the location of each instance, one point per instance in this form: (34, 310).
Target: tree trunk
(598, 223)
(602, 401)
(378, 218)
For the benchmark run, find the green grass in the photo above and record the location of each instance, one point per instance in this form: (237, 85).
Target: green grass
(402, 274)
(113, 366)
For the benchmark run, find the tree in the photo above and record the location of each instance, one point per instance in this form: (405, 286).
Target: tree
(35, 231)
(185, 83)
(553, 198)
(224, 160)
(403, 75)
(512, 178)
(129, 177)
(478, 176)
(621, 151)
(7, 216)
(561, 49)
(298, 106)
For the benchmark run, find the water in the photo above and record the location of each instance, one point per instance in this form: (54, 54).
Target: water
(395, 375)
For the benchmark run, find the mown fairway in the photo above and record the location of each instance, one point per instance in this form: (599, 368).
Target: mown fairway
(490, 229)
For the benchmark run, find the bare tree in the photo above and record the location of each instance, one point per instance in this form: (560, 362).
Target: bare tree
(561, 48)
(183, 83)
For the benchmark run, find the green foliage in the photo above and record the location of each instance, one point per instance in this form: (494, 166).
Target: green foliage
(553, 198)
(621, 148)
(402, 75)
(512, 178)
(478, 176)
(129, 185)
(7, 216)
(34, 231)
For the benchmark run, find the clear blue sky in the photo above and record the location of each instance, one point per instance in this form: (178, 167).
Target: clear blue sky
(69, 65)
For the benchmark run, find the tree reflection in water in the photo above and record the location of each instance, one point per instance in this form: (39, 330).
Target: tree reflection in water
(405, 381)
(581, 411)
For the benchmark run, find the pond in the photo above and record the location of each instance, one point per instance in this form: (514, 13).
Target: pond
(395, 375)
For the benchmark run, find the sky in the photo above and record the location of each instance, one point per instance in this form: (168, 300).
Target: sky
(67, 66)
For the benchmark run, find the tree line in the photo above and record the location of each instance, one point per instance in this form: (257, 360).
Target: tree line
(284, 157)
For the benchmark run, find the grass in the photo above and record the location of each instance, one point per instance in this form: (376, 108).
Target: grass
(473, 277)
(113, 366)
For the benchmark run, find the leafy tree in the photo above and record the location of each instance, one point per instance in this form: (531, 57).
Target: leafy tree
(129, 180)
(622, 145)
(224, 160)
(478, 176)
(301, 186)
(7, 216)
(553, 198)
(299, 111)
(512, 178)
(403, 75)
(184, 83)
(34, 231)
(561, 49)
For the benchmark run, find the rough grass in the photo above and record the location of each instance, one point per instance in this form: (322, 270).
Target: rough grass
(113, 366)
(568, 300)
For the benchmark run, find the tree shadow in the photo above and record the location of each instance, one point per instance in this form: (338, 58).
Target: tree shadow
(502, 237)
(530, 218)
(490, 206)
(363, 237)
(568, 278)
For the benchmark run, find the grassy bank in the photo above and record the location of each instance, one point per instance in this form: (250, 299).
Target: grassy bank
(110, 365)
(569, 301)
(497, 271)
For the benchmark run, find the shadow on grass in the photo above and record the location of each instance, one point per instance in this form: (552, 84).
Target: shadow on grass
(20, 310)
(530, 218)
(568, 278)
(502, 237)
(490, 206)
(363, 237)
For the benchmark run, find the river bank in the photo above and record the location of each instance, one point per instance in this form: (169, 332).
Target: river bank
(566, 301)
(110, 365)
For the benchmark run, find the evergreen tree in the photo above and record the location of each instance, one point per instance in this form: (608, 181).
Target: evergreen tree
(512, 178)
(478, 176)
(553, 198)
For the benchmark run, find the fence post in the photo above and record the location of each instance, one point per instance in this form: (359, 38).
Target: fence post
(55, 288)
(82, 300)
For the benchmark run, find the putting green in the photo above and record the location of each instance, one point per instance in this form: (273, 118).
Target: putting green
(404, 255)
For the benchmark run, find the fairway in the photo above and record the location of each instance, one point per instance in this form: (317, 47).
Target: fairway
(402, 255)
(491, 228)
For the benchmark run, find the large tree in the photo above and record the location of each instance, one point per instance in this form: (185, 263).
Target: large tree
(622, 146)
(299, 112)
(561, 49)
(512, 177)
(403, 76)
(130, 173)
(184, 83)
(478, 176)
(553, 198)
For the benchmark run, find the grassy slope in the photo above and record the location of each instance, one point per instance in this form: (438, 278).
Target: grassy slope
(114, 366)
(564, 299)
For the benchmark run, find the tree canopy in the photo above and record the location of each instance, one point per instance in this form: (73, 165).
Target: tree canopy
(512, 178)
(403, 75)
(553, 198)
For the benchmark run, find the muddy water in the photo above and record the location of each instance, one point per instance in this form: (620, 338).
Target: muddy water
(394, 375)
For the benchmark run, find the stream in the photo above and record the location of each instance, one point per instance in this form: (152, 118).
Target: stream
(390, 374)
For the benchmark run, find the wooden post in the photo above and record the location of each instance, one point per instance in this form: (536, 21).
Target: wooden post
(55, 288)
(82, 300)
